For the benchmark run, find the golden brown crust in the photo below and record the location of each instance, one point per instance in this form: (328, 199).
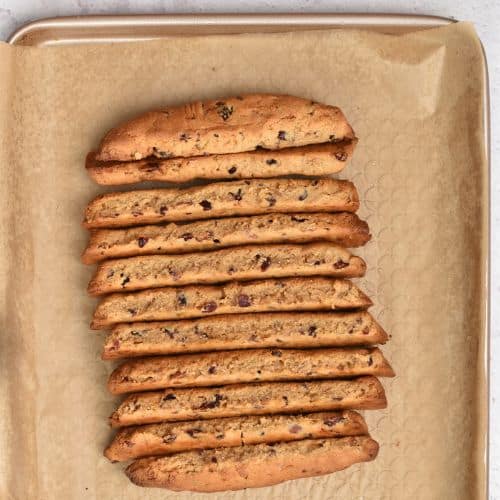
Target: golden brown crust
(229, 125)
(253, 365)
(229, 264)
(221, 199)
(173, 437)
(244, 331)
(254, 466)
(286, 294)
(177, 404)
(343, 228)
(318, 159)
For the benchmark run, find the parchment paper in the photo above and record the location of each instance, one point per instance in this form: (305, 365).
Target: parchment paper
(415, 102)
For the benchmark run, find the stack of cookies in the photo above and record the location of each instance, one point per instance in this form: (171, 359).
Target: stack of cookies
(250, 346)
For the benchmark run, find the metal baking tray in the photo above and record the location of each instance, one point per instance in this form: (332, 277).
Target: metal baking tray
(129, 28)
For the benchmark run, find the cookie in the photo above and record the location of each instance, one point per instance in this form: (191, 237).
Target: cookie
(342, 228)
(244, 331)
(229, 264)
(249, 399)
(221, 126)
(252, 365)
(255, 466)
(318, 159)
(174, 437)
(221, 199)
(286, 294)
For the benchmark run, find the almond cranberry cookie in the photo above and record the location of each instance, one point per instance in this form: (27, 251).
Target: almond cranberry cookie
(244, 331)
(318, 159)
(171, 437)
(222, 126)
(229, 264)
(343, 228)
(221, 199)
(252, 365)
(286, 294)
(264, 398)
(251, 466)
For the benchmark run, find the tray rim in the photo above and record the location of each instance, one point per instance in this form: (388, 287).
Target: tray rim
(25, 35)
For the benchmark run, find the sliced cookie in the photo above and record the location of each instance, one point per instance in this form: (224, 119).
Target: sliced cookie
(249, 399)
(172, 437)
(244, 331)
(343, 228)
(221, 199)
(193, 301)
(252, 365)
(229, 264)
(255, 466)
(319, 159)
(228, 125)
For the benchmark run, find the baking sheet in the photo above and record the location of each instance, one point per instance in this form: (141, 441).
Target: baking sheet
(416, 103)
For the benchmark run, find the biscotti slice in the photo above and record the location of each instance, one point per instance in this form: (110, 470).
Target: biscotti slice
(343, 228)
(318, 159)
(286, 294)
(173, 437)
(172, 405)
(228, 469)
(244, 331)
(229, 264)
(229, 125)
(253, 365)
(221, 199)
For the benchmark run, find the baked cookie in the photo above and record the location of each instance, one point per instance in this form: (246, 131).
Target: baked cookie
(172, 437)
(244, 331)
(221, 199)
(318, 159)
(249, 399)
(286, 294)
(342, 228)
(221, 126)
(229, 264)
(226, 469)
(252, 365)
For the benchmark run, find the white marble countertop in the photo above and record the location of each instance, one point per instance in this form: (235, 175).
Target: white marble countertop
(485, 14)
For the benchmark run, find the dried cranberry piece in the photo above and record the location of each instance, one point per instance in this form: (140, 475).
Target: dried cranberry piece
(244, 300)
(181, 299)
(265, 264)
(237, 196)
(206, 205)
(209, 307)
(208, 405)
(340, 264)
(271, 200)
(330, 422)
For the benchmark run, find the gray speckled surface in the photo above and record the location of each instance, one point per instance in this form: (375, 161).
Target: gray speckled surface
(484, 14)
